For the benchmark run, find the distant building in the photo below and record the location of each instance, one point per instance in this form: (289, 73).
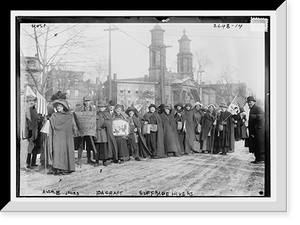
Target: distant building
(177, 87)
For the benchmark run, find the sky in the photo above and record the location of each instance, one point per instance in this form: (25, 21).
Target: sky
(238, 47)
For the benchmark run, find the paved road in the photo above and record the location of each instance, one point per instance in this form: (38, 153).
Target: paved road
(192, 175)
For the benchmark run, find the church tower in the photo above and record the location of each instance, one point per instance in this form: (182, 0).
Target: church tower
(185, 57)
(157, 53)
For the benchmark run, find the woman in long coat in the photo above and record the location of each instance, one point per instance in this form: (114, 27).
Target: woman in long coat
(197, 117)
(105, 142)
(136, 140)
(243, 127)
(189, 128)
(180, 120)
(155, 140)
(123, 151)
(61, 142)
(171, 141)
(224, 125)
(208, 130)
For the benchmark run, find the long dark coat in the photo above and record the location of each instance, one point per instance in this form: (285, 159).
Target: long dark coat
(61, 142)
(243, 128)
(171, 141)
(224, 137)
(180, 117)
(155, 140)
(198, 115)
(105, 134)
(256, 130)
(189, 130)
(32, 134)
(142, 148)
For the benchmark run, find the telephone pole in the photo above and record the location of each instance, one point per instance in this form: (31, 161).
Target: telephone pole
(109, 62)
(162, 71)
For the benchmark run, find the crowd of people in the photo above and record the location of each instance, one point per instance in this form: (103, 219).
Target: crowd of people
(163, 131)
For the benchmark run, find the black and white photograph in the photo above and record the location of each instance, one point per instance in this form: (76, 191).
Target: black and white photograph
(143, 107)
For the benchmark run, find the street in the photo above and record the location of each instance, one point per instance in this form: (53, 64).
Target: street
(192, 175)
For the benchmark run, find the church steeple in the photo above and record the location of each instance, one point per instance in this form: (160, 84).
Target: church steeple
(185, 57)
(157, 53)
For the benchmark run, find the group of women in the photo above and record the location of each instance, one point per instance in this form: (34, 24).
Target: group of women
(163, 131)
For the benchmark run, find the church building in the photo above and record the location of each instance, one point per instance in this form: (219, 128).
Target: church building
(160, 85)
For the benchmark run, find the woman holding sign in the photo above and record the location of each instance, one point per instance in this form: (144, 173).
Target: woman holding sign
(121, 130)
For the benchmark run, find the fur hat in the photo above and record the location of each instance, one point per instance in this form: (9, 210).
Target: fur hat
(152, 105)
(130, 108)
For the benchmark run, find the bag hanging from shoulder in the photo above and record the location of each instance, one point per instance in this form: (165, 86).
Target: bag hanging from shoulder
(179, 125)
(146, 129)
(221, 127)
(198, 128)
(153, 127)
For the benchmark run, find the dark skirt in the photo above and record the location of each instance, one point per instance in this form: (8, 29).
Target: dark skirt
(123, 151)
(102, 151)
(151, 141)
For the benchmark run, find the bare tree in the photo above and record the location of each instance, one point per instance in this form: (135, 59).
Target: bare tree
(202, 61)
(225, 83)
(52, 44)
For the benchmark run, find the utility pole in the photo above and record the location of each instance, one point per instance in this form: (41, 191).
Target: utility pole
(162, 72)
(200, 83)
(109, 62)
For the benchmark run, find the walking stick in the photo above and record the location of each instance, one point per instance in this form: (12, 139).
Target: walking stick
(213, 139)
(93, 145)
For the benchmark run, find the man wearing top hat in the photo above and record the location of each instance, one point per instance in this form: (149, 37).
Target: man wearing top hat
(256, 131)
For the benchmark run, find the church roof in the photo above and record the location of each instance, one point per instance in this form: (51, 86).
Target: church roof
(157, 27)
(184, 37)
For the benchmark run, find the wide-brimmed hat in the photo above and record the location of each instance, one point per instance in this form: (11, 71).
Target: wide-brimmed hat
(152, 105)
(63, 102)
(251, 98)
(178, 104)
(130, 108)
(223, 105)
(188, 104)
(198, 103)
(87, 98)
(101, 104)
(119, 106)
(112, 103)
(211, 105)
(167, 107)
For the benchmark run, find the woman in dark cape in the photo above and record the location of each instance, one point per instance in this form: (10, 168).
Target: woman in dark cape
(189, 128)
(171, 141)
(237, 125)
(123, 151)
(224, 126)
(180, 120)
(243, 127)
(136, 140)
(105, 142)
(61, 142)
(155, 140)
(197, 117)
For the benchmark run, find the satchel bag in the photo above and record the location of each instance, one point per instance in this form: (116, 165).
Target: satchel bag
(153, 127)
(146, 129)
(198, 129)
(179, 125)
(221, 127)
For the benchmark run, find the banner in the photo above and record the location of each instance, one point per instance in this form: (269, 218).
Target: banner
(87, 121)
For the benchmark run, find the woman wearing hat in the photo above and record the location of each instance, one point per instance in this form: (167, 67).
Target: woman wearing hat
(198, 116)
(224, 126)
(123, 151)
(243, 126)
(180, 120)
(208, 130)
(155, 139)
(171, 142)
(189, 129)
(105, 141)
(61, 142)
(136, 140)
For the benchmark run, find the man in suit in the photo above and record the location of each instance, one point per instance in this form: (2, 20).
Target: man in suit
(256, 131)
